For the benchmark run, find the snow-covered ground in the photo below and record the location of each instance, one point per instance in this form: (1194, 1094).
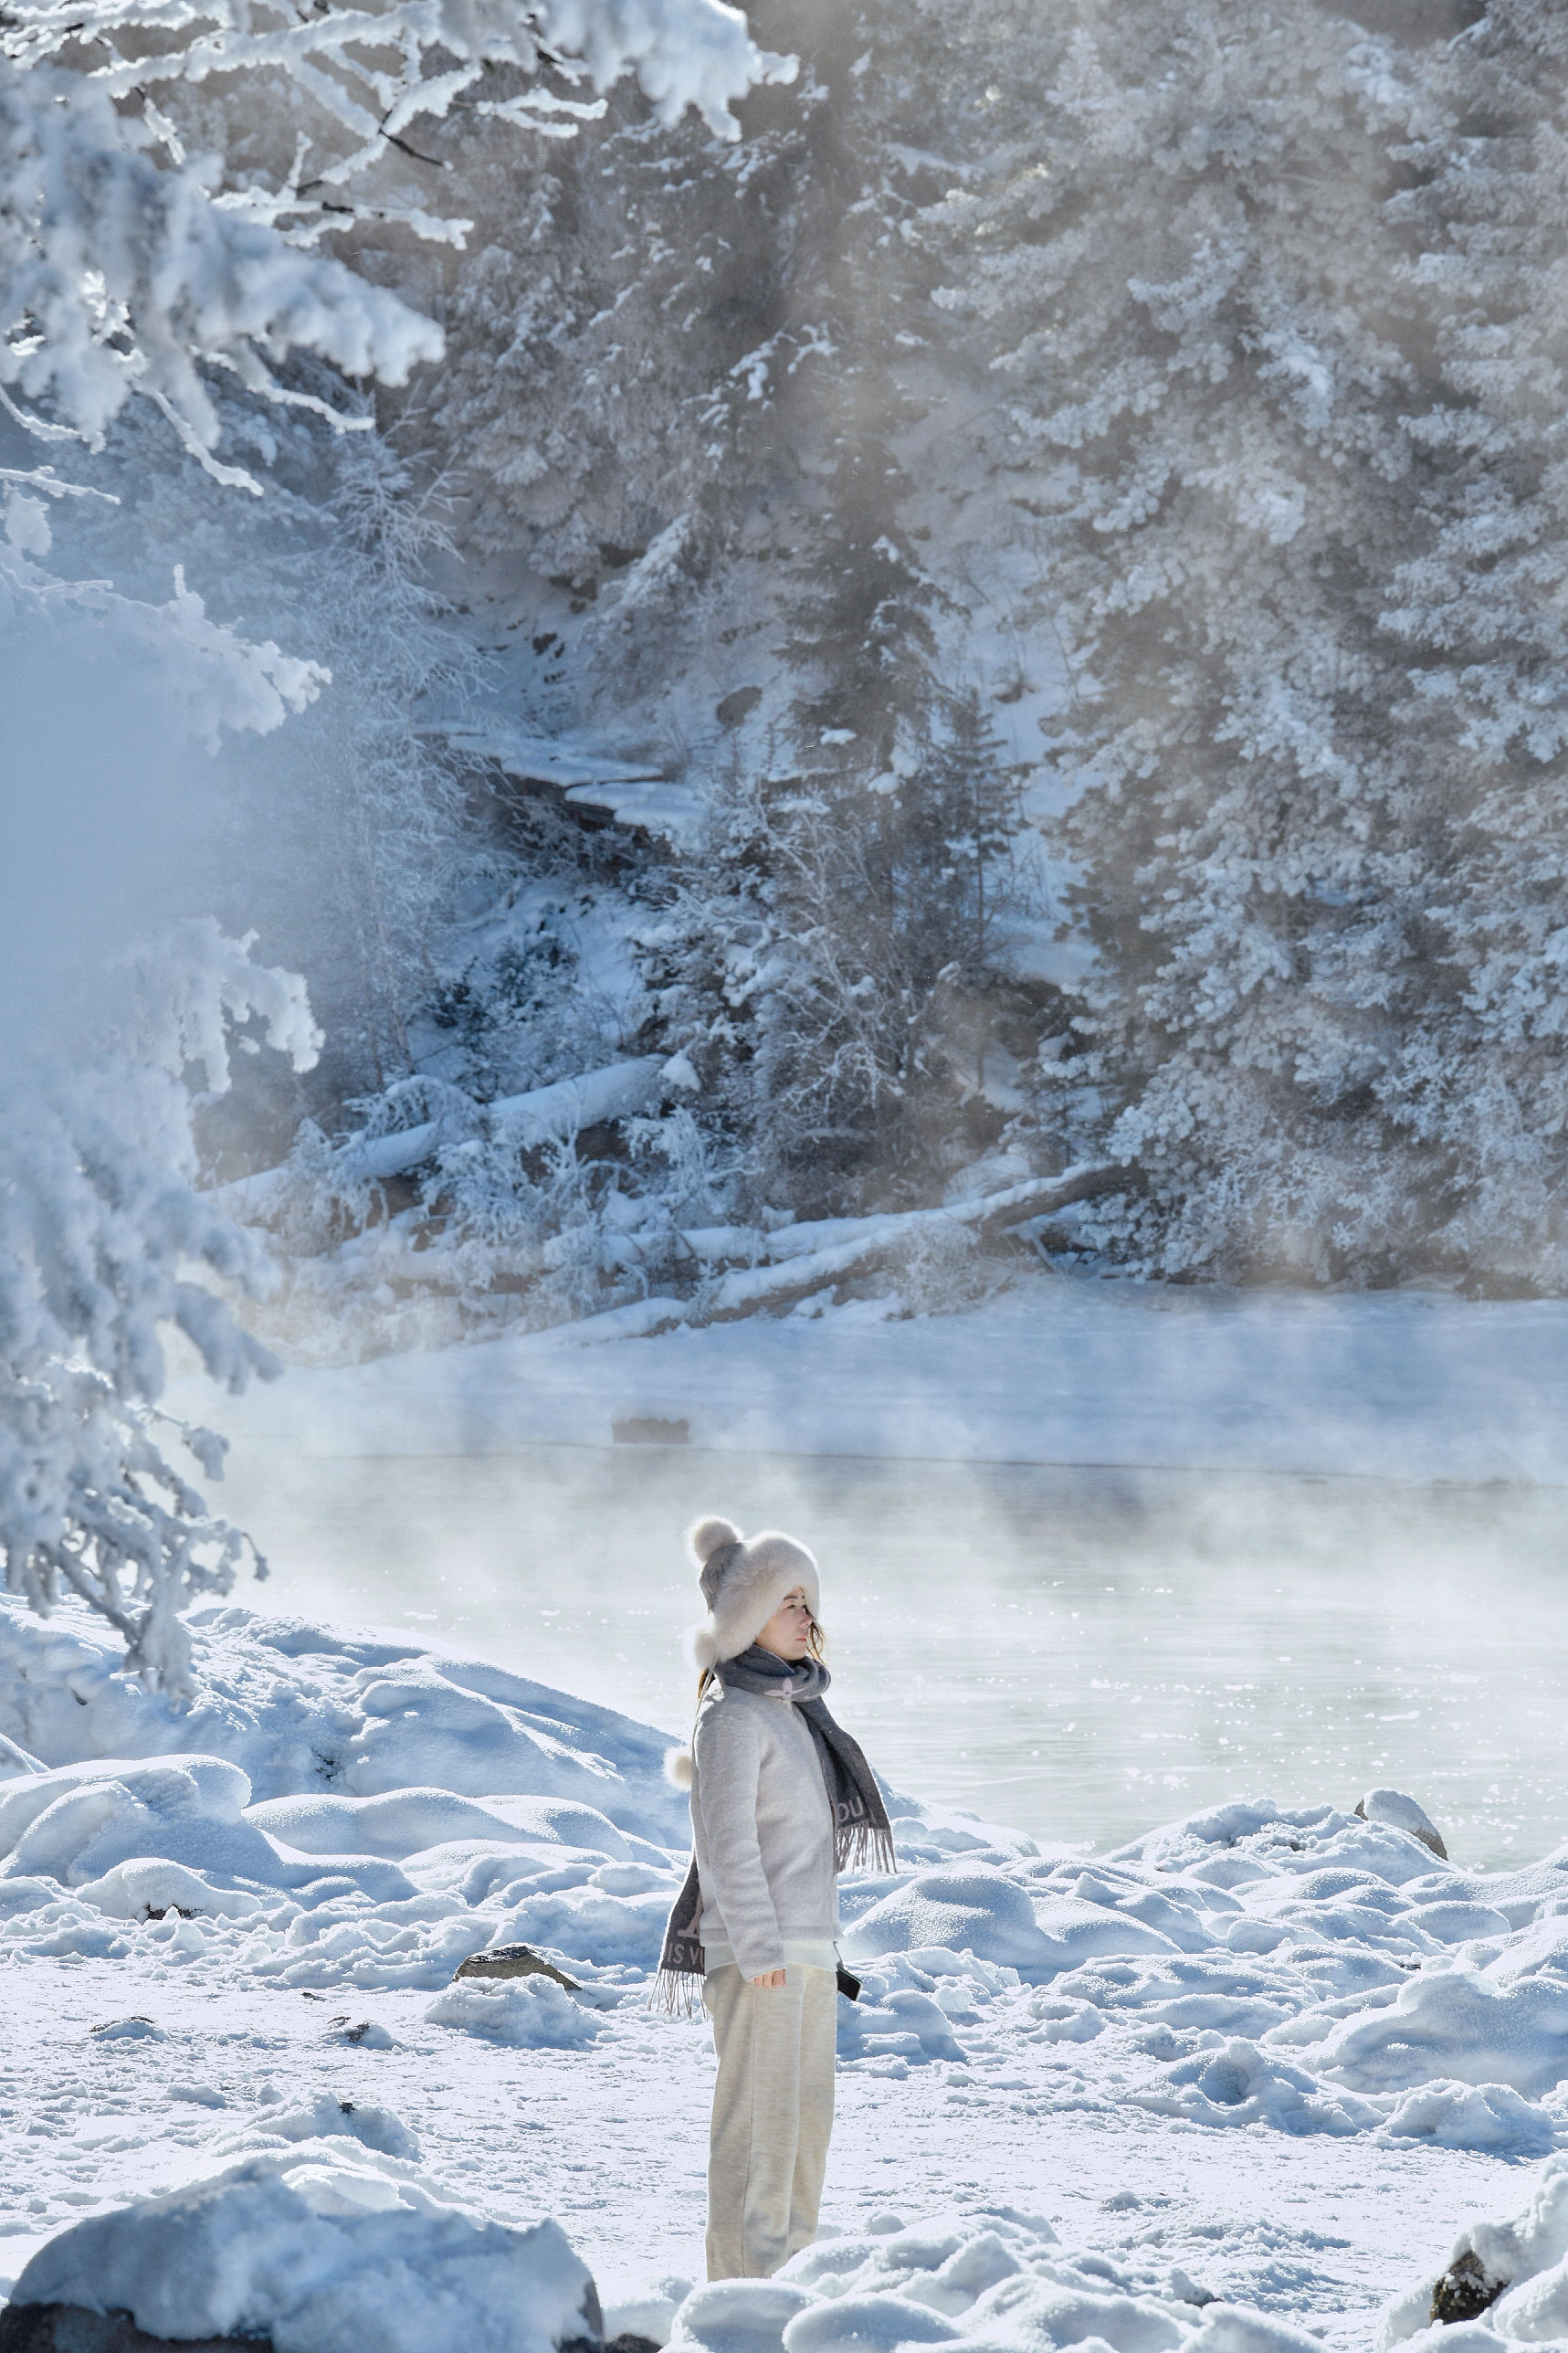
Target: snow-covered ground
(1273, 2055)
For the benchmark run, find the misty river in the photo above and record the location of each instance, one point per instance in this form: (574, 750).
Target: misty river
(1080, 1654)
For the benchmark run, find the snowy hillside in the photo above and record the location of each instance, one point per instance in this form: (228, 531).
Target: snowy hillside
(230, 1938)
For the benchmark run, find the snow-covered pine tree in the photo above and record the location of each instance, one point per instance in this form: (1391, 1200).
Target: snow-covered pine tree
(825, 956)
(840, 1048)
(1207, 350)
(707, 951)
(1477, 611)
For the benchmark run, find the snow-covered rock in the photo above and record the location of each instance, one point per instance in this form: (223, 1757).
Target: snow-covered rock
(530, 2013)
(323, 2250)
(1406, 1814)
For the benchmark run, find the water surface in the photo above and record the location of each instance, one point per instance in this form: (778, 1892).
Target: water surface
(1082, 1653)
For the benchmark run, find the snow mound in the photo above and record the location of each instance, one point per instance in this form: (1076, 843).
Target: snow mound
(327, 2118)
(321, 2249)
(357, 1814)
(530, 2013)
(997, 2278)
(75, 1823)
(301, 1708)
(978, 1909)
(1472, 2116)
(149, 1889)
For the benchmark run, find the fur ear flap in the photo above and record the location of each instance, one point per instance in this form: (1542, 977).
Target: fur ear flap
(701, 1644)
(678, 1767)
(705, 1537)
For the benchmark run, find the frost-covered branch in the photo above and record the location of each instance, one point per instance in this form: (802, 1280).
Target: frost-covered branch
(122, 274)
(211, 675)
(119, 274)
(100, 1224)
(377, 72)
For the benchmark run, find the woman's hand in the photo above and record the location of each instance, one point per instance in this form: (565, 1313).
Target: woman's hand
(769, 1977)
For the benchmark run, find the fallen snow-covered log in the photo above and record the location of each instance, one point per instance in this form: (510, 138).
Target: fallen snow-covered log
(988, 1213)
(543, 1115)
(796, 1261)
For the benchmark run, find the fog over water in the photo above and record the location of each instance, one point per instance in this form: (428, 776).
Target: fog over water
(1082, 1653)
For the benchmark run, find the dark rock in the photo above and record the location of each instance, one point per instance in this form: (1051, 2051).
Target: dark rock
(67, 2328)
(591, 2313)
(514, 1961)
(1466, 2289)
(738, 707)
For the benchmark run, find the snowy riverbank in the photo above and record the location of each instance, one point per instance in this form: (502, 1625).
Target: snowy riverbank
(1408, 1385)
(1272, 2054)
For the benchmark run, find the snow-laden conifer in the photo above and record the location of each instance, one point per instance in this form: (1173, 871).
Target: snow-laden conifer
(1211, 337)
(103, 1231)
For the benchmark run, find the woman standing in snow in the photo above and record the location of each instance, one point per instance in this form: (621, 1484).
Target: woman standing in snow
(782, 1801)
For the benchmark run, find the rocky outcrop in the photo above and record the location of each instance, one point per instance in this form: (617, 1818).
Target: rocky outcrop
(514, 1961)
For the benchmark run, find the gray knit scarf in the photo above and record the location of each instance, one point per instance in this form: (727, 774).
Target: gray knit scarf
(862, 1835)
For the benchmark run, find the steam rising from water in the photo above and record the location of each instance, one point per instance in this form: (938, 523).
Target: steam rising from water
(1081, 1653)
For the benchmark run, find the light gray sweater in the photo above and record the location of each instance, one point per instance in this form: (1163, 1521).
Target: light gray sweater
(764, 1833)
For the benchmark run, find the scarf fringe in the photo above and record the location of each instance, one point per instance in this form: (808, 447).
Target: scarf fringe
(677, 1993)
(864, 1846)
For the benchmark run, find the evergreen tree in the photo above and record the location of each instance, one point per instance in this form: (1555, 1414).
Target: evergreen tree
(1210, 346)
(1481, 1083)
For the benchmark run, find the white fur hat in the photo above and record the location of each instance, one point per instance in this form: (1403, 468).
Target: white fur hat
(744, 1582)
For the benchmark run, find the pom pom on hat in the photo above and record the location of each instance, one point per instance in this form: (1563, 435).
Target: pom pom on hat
(704, 1538)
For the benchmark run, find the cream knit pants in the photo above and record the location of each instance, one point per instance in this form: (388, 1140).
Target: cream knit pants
(772, 2115)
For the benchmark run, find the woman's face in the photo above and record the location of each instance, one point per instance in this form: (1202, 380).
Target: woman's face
(787, 1633)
